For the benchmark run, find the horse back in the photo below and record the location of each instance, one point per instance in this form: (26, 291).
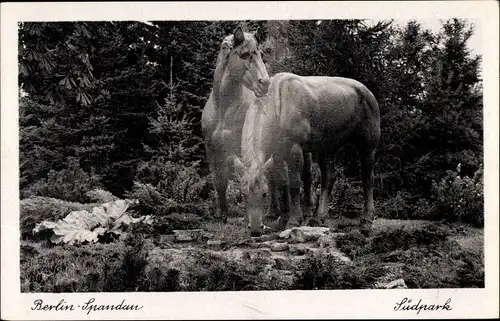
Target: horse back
(315, 110)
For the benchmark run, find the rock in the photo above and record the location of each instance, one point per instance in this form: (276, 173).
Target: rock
(396, 284)
(298, 249)
(304, 233)
(325, 241)
(285, 234)
(266, 244)
(297, 236)
(339, 256)
(333, 252)
(263, 238)
(281, 263)
(279, 247)
(216, 245)
(188, 235)
(207, 235)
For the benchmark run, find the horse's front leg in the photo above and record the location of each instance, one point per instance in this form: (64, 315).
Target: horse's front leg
(220, 180)
(295, 163)
(280, 196)
(273, 208)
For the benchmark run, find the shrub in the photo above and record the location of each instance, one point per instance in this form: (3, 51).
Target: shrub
(128, 276)
(397, 207)
(352, 243)
(326, 273)
(429, 236)
(159, 181)
(71, 184)
(99, 195)
(346, 195)
(460, 198)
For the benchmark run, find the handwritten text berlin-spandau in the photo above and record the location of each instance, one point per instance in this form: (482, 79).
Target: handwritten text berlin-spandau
(88, 306)
(407, 304)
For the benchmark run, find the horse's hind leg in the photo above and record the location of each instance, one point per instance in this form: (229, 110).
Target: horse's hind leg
(326, 190)
(367, 177)
(307, 185)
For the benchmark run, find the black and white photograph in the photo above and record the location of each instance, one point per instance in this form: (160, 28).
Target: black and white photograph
(247, 155)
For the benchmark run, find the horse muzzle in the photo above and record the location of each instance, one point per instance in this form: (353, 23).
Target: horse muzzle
(255, 234)
(262, 88)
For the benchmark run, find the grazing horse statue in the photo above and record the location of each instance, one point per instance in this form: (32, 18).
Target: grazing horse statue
(301, 116)
(240, 76)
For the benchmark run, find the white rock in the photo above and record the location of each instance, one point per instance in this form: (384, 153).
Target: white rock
(188, 235)
(279, 247)
(396, 284)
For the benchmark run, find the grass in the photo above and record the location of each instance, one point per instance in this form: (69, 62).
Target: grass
(429, 254)
(233, 231)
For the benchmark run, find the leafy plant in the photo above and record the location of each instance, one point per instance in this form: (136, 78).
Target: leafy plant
(84, 226)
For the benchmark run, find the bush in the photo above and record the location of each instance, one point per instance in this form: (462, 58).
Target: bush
(71, 184)
(346, 195)
(326, 273)
(402, 239)
(99, 195)
(397, 207)
(460, 198)
(352, 244)
(173, 181)
(235, 201)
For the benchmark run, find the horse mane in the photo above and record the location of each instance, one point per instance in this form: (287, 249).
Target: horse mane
(224, 54)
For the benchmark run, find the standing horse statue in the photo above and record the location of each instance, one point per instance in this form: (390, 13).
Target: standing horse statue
(240, 76)
(299, 116)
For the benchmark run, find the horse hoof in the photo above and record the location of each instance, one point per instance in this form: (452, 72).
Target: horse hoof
(294, 222)
(366, 229)
(222, 219)
(279, 224)
(313, 222)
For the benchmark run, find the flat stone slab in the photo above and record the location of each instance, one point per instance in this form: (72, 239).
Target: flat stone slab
(189, 235)
(396, 284)
(279, 246)
(302, 234)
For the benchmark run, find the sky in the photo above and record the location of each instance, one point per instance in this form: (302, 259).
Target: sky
(434, 25)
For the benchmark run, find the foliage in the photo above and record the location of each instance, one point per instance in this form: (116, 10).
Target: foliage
(71, 184)
(460, 198)
(326, 273)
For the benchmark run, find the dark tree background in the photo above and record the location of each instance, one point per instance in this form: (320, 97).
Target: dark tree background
(117, 105)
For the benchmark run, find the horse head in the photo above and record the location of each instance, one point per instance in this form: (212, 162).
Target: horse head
(242, 58)
(254, 186)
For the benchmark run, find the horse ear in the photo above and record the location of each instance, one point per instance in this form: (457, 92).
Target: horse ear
(239, 36)
(268, 164)
(235, 162)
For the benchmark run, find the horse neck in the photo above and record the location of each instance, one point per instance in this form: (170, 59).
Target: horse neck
(253, 153)
(228, 92)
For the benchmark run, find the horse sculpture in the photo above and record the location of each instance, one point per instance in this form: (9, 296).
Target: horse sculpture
(240, 76)
(299, 116)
